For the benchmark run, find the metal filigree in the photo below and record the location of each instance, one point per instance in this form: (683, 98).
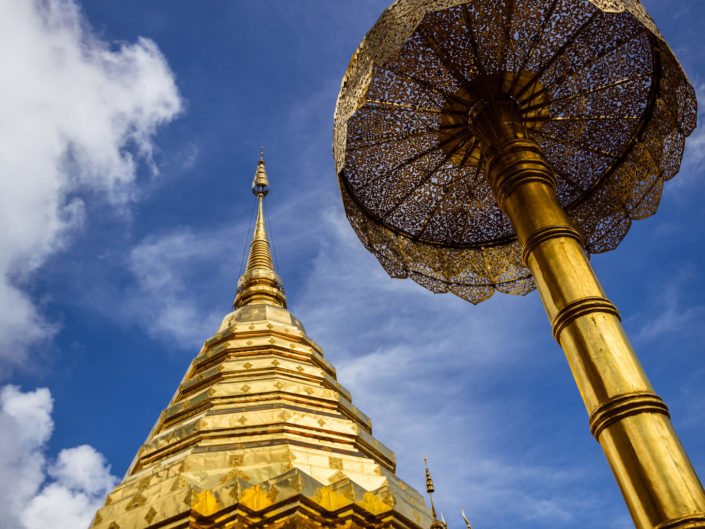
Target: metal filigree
(598, 89)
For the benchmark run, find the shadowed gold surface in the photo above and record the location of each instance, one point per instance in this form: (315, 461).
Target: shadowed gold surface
(261, 434)
(491, 145)
(599, 91)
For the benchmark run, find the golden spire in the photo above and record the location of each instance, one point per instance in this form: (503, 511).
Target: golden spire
(429, 488)
(260, 284)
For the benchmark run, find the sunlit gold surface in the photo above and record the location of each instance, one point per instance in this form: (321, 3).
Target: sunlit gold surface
(628, 419)
(453, 176)
(261, 434)
(599, 91)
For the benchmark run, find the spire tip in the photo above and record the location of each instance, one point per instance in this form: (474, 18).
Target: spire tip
(260, 185)
(260, 284)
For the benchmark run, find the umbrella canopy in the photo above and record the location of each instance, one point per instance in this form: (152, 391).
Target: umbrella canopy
(596, 86)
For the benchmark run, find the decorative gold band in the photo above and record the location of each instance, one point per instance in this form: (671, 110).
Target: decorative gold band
(692, 521)
(625, 405)
(516, 162)
(544, 234)
(581, 307)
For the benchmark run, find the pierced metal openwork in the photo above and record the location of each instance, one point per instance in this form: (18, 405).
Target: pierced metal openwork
(597, 88)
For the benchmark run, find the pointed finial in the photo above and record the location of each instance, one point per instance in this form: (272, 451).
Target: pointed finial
(260, 185)
(429, 488)
(429, 481)
(260, 284)
(466, 519)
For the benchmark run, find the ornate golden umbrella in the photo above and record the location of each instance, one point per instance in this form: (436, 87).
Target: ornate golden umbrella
(491, 145)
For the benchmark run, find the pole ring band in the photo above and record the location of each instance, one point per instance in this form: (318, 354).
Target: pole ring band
(523, 161)
(520, 177)
(545, 234)
(625, 405)
(581, 307)
(697, 519)
(513, 147)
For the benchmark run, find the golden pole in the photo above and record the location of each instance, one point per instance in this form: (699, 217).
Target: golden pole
(628, 419)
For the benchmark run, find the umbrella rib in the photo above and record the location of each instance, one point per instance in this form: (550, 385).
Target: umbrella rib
(394, 139)
(572, 182)
(447, 190)
(423, 84)
(436, 207)
(577, 145)
(587, 92)
(445, 60)
(534, 43)
(555, 56)
(468, 152)
(402, 106)
(473, 40)
(507, 28)
(412, 159)
(471, 192)
(572, 74)
(580, 118)
(423, 180)
(391, 139)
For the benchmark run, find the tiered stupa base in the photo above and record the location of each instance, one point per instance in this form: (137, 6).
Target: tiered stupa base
(261, 434)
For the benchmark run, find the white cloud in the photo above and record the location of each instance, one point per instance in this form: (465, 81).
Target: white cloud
(25, 425)
(63, 494)
(164, 299)
(82, 469)
(81, 479)
(672, 315)
(77, 114)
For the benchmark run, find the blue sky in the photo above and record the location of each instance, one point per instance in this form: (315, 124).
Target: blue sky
(129, 136)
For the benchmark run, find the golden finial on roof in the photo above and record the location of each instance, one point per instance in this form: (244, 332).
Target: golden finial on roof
(429, 481)
(260, 284)
(466, 519)
(260, 185)
(429, 488)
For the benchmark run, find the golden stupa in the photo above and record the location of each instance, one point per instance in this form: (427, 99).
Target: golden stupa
(260, 433)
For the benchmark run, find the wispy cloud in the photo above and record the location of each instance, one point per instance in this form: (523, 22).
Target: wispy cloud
(164, 298)
(79, 116)
(671, 313)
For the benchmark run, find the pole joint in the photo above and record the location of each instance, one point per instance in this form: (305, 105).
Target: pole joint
(690, 521)
(515, 162)
(581, 307)
(547, 233)
(626, 405)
